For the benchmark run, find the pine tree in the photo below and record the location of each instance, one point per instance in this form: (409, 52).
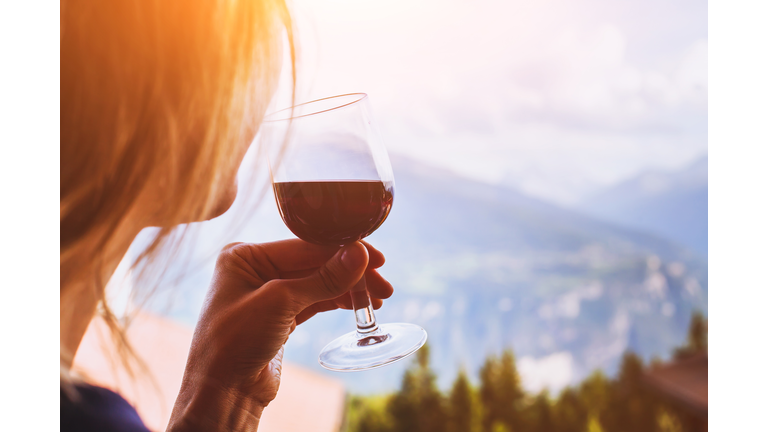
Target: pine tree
(593, 392)
(488, 374)
(697, 337)
(501, 392)
(571, 414)
(510, 391)
(463, 410)
(367, 414)
(372, 420)
(697, 332)
(630, 408)
(539, 418)
(418, 406)
(403, 407)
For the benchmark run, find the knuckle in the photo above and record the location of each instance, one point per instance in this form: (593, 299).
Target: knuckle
(258, 252)
(327, 281)
(229, 253)
(248, 259)
(234, 258)
(231, 246)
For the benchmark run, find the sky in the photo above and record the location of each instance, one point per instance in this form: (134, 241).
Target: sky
(556, 98)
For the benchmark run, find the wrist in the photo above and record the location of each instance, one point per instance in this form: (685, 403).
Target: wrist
(214, 408)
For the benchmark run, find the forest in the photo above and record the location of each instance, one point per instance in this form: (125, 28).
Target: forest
(500, 404)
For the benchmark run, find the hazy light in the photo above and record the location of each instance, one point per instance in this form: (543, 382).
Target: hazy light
(556, 98)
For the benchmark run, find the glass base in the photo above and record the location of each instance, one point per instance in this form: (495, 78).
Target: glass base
(362, 351)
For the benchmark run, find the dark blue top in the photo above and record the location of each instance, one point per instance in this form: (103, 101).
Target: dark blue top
(98, 409)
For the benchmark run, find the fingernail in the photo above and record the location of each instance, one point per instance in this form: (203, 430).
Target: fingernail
(351, 258)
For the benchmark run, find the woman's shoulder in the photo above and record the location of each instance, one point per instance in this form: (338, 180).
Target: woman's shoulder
(89, 408)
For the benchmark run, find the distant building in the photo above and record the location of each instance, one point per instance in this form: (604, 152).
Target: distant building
(683, 383)
(306, 400)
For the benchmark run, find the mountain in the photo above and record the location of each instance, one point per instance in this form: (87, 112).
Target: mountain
(670, 204)
(483, 268)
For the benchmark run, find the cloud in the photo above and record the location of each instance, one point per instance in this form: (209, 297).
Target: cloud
(553, 372)
(555, 97)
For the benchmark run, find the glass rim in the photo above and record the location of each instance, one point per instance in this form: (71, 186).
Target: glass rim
(269, 118)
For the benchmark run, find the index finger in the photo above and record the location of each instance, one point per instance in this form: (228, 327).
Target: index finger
(297, 255)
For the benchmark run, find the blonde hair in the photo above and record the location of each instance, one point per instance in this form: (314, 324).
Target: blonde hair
(163, 88)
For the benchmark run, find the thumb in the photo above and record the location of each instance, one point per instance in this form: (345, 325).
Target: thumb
(333, 279)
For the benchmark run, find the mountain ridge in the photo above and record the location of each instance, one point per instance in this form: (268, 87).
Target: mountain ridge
(671, 204)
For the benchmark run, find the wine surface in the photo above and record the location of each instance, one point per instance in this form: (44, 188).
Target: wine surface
(334, 212)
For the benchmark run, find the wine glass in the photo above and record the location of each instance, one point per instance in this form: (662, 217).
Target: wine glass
(333, 185)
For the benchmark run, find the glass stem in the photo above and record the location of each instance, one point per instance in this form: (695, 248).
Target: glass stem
(361, 304)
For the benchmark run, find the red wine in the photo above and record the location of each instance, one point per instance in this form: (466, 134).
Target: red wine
(334, 212)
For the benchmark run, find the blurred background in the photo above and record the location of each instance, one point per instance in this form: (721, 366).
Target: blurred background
(550, 162)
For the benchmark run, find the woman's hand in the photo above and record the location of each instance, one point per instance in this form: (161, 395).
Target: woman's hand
(259, 293)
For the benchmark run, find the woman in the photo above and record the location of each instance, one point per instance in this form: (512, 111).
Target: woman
(160, 100)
